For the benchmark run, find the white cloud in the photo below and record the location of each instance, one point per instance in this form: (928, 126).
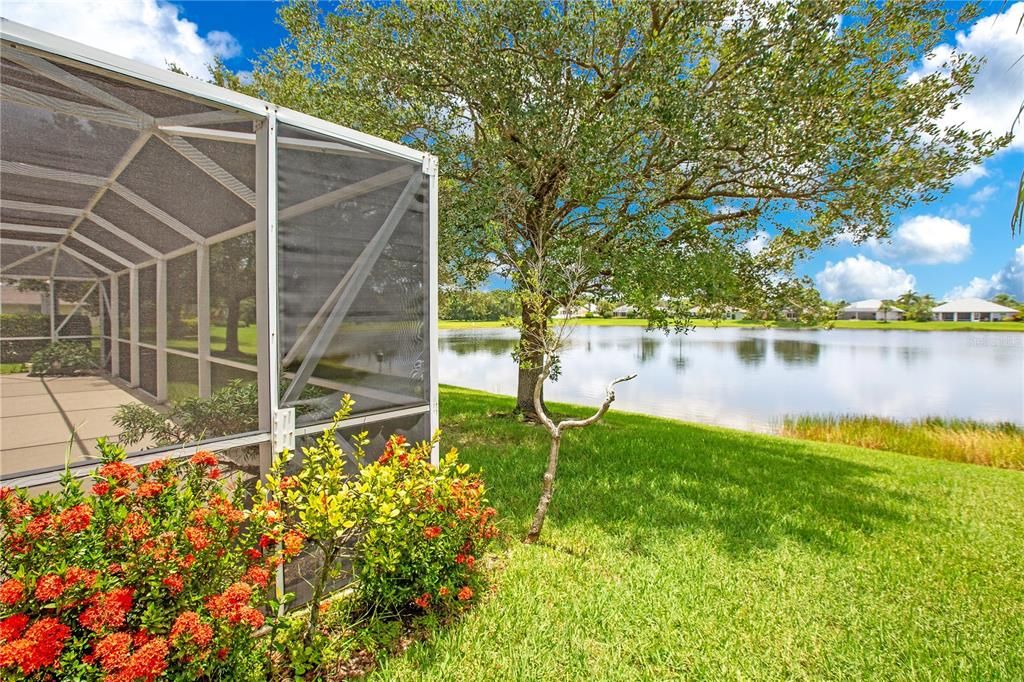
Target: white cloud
(983, 194)
(858, 278)
(999, 84)
(758, 242)
(926, 239)
(970, 176)
(1009, 280)
(151, 31)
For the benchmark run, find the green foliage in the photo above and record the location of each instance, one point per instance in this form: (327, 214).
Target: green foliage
(229, 410)
(430, 525)
(408, 534)
(155, 572)
(34, 324)
(462, 304)
(646, 142)
(917, 307)
(64, 357)
(1009, 301)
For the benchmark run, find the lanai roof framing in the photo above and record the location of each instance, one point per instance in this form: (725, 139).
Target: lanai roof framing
(112, 168)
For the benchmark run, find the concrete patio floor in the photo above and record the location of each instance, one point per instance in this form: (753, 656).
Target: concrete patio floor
(40, 417)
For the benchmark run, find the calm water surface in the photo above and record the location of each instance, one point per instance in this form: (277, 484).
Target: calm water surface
(751, 378)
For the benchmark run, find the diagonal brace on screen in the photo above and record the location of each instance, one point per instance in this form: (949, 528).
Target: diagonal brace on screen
(354, 281)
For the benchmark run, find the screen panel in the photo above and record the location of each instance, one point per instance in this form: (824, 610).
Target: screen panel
(352, 277)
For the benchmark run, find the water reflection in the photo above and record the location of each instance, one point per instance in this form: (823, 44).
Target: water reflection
(473, 344)
(793, 352)
(751, 351)
(647, 349)
(751, 378)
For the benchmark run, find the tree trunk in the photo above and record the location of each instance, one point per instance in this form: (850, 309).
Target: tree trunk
(547, 491)
(318, 593)
(530, 361)
(231, 326)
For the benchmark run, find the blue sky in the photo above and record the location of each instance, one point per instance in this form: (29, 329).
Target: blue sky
(960, 244)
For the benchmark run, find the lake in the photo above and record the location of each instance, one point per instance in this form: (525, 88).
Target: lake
(752, 378)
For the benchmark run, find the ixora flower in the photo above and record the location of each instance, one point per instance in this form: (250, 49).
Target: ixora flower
(233, 605)
(431, 532)
(75, 519)
(113, 651)
(292, 542)
(465, 593)
(257, 576)
(188, 627)
(107, 609)
(394, 443)
(39, 647)
(77, 575)
(204, 458)
(121, 472)
(11, 592)
(146, 664)
(49, 587)
(197, 537)
(11, 627)
(174, 583)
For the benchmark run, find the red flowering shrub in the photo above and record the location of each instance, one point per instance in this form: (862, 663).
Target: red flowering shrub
(156, 574)
(407, 533)
(429, 527)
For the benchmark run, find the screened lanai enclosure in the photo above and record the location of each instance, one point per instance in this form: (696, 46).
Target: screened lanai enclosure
(201, 245)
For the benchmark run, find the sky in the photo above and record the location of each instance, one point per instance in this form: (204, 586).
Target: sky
(959, 245)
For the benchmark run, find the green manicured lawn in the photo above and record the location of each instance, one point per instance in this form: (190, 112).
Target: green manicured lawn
(933, 326)
(747, 324)
(11, 367)
(676, 551)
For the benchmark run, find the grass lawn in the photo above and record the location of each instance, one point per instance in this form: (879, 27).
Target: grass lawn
(681, 551)
(11, 367)
(747, 324)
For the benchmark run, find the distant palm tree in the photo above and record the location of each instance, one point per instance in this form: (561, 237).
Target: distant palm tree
(909, 299)
(887, 305)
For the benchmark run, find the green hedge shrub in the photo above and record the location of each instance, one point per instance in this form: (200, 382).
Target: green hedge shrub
(64, 357)
(35, 324)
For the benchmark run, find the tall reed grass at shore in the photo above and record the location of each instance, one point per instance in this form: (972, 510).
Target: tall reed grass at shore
(959, 440)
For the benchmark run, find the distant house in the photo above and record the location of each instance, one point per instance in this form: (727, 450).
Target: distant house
(624, 311)
(727, 313)
(578, 311)
(870, 309)
(971, 310)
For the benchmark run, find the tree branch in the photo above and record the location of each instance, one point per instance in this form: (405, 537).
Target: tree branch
(608, 400)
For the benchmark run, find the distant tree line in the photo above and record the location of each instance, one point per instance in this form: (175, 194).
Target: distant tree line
(462, 304)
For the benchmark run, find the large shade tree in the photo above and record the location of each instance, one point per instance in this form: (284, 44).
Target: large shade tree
(673, 153)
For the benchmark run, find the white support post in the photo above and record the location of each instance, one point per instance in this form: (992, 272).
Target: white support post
(53, 312)
(203, 318)
(114, 310)
(133, 324)
(266, 277)
(266, 292)
(430, 165)
(161, 330)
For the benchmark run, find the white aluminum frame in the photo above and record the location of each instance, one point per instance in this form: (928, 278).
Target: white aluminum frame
(172, 131)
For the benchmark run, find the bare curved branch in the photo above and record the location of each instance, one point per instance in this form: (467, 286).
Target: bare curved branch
(608, 400)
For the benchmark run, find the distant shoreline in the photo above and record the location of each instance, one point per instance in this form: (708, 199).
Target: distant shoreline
(903, 325)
